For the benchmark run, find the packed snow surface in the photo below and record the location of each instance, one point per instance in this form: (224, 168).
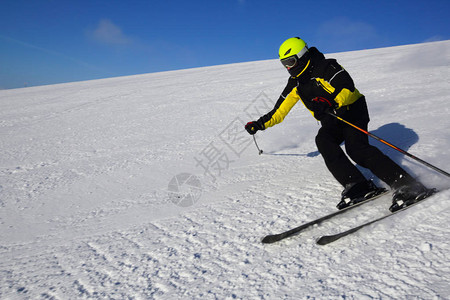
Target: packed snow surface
(148, 187)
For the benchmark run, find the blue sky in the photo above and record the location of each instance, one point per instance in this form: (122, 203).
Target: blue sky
(54, 41)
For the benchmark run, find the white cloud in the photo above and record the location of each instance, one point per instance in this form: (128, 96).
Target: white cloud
(435, 38)
(107, 32)
(343, 34)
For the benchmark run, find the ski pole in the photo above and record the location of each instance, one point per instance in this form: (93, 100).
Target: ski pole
(392, 146)
(259, 150)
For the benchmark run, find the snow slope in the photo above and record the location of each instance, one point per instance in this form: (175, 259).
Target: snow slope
(147, 187)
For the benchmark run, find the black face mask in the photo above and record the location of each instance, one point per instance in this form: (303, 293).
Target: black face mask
(302, 63)
(305, 77)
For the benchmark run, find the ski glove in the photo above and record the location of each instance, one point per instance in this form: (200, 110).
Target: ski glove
(321, 106)
(253, 126)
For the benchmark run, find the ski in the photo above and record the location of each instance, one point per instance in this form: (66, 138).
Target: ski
(327, 239)
(278, 237)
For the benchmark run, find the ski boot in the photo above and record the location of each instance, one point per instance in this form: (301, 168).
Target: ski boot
(358, 192)
(409, 194)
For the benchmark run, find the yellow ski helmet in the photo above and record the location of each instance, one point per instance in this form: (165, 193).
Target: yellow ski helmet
(294, 55)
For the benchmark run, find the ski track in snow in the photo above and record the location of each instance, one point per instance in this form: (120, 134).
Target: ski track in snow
(85, 211)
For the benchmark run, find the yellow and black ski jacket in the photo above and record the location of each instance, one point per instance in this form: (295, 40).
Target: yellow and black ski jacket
(327, 79)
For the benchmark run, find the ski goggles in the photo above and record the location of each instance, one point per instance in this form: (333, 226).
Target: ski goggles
(292, 61)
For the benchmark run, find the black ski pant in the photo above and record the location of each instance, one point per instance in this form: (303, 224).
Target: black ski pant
(333, 132)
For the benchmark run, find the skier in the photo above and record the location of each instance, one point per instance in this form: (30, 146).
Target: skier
(325, 86)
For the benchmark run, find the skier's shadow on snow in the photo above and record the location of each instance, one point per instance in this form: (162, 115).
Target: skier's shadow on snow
(398, 135)
(393, 133)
